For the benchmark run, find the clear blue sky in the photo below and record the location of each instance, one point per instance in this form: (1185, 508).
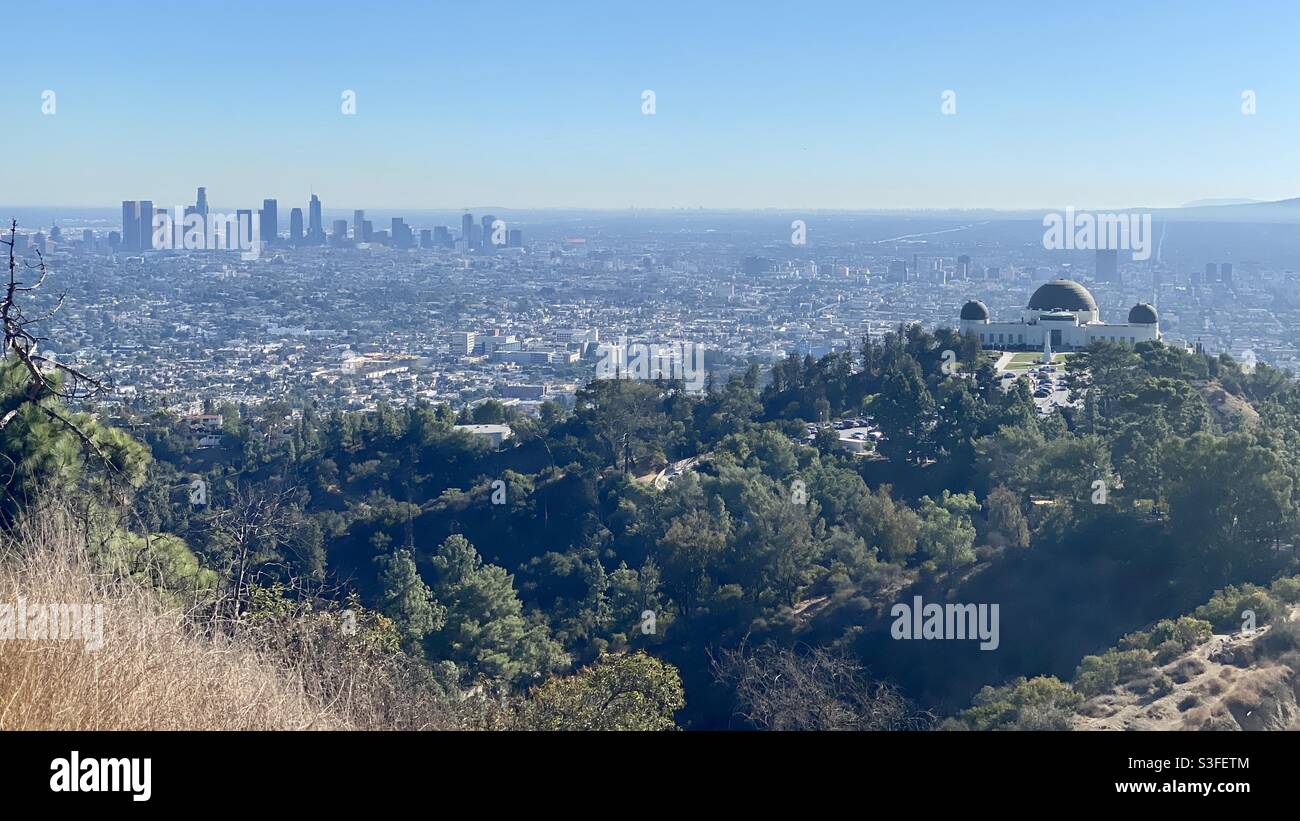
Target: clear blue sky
(821, 105)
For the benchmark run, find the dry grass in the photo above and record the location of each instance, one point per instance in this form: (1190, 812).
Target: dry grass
(155, 669)
(159, 667)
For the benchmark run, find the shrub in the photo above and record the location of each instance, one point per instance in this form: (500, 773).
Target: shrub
(1042, 703)
(1169, 638)
(1224, 609)
(1097, 674)
(1286, 589)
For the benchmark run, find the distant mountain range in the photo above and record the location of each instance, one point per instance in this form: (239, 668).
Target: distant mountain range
(1229, 211)
(1209, 210)
(1220, 201)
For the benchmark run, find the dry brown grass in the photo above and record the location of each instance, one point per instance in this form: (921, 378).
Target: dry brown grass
(161, 667)
(156, 668)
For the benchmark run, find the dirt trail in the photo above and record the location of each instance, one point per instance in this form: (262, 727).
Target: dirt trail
(1211, 692)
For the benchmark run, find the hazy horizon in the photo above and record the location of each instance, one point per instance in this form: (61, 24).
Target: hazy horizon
(945, 107)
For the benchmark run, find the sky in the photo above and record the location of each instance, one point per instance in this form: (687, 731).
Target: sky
(828, 105)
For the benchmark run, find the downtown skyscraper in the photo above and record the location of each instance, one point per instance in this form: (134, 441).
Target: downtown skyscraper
(315, 226)
(269, 221)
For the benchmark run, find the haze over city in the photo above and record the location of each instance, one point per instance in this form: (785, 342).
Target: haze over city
(838, 106)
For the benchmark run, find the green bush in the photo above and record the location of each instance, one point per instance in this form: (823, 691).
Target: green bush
(1097, 674)
(1169, 638)
(1286, 589)
(1042, 703)
(1225, 607)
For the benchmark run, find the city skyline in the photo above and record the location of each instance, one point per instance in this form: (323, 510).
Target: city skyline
(144, 227)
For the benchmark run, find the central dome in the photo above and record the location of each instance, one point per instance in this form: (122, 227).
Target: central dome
(1062, 295)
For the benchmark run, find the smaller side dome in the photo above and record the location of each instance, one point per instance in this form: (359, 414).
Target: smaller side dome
(975, 310)
(1143, 314)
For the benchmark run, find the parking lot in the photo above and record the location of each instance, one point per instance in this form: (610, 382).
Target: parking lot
(1046, 382)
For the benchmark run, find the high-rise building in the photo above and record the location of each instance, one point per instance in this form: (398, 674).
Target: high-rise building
(339, 239)
(160, 220)
(367, 230)
(467, 230)
(442, 236)
(963, 266)
(243, 228)
(130, 225)
(401, 232)
(200, 207)
(315, 227)
(146, 224)
(1225, 272)
(426, 238)
(359, 226)
(1211, 272)
(515, 239)
(295, 226)
(191, 211)
(269, 221)
(1107, 265)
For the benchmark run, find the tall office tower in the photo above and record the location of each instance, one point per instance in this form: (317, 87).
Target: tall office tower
(515, 239)
(146, 224)
(199, 207)
(130, 225)
(442, 235)
(367, 230)
(1211, 272)
(88, 239)
(295, 226)
(315, 228)
(1107, 265)
(358, 225)
(488, 244)
(401, 233)
(269, 221)
(916, 265)
(475, 238)
(898, 270)
(426, 238)
(340, 237)
(245, 229)
(963, 266)
(178, 231)
(466, 230)
(1225, 272)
